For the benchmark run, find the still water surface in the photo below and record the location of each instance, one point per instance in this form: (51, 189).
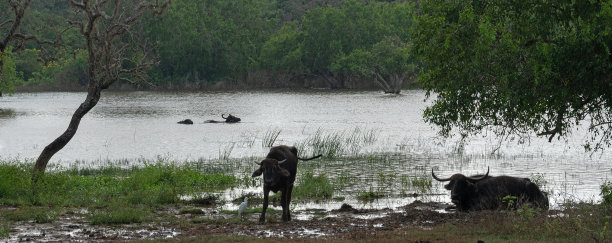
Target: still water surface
(143, 125)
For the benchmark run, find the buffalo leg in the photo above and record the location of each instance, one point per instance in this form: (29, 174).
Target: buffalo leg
(262, 217)
(288, 200)
(285, 205)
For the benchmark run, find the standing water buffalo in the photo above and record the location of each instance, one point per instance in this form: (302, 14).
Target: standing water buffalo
(279, 169)
(482, 192)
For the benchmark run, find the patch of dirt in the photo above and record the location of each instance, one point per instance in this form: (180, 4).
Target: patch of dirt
(346, 222)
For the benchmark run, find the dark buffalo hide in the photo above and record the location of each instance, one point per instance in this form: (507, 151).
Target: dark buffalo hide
(279, 169)
(484, 192)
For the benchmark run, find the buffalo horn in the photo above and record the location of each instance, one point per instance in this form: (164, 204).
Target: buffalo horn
(438, 179)
(223, 117)
(477, 178)
(282, 161)
(259, 163)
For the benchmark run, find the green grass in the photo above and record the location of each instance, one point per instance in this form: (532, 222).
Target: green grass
(422, 183)
(191, 211)
(4, 231)
(336, 144)
(606, 193)
(205, 200)
(117, 215)
(369, 195)
(37, 215)
(313, 187)
(152, 184)
(227, 151)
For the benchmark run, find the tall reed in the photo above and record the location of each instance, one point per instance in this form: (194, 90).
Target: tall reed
(270, 137)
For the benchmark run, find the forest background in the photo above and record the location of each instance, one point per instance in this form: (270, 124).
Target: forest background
(238, 44)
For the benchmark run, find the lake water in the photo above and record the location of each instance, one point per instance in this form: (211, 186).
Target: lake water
(143, 125)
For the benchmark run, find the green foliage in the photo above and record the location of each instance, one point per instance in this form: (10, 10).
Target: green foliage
(27, 62)
(282, 52)
(606, 193)
(66, 72)
(345, 41)
(200, 43)
(509, 200)
(8, 72)
(210, 40)
(526, 211)
(313, 187)
(517, 67)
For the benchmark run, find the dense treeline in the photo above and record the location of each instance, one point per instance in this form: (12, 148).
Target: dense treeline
(243, 43)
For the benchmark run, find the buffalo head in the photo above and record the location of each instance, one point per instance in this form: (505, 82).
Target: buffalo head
(461, 187)
(271, 170)
(230, 118)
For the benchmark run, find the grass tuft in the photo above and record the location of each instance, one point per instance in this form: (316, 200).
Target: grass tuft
(116, 216)
(191, 211)
(336, 144)
(4, 231)
(313, 187)
(205, 200)
(369, 195)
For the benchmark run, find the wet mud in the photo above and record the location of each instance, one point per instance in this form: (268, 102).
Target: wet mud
(345, 222)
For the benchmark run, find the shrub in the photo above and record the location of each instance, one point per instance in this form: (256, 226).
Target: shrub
(606, 193)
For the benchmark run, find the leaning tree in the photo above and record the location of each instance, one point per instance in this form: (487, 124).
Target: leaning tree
(116, 52)
(518, 67)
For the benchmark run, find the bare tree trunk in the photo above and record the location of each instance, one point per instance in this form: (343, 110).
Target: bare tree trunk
(61, 141)
(380, 80)
(331, 81)
(106, 59)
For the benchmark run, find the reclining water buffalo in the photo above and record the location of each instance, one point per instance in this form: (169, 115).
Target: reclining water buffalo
(279, 169)
(228, 119)
(482, 192)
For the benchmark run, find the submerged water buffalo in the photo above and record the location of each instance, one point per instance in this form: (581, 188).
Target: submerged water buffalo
(186, 122)
(484, 192)
(279, 169)
(228, 119)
